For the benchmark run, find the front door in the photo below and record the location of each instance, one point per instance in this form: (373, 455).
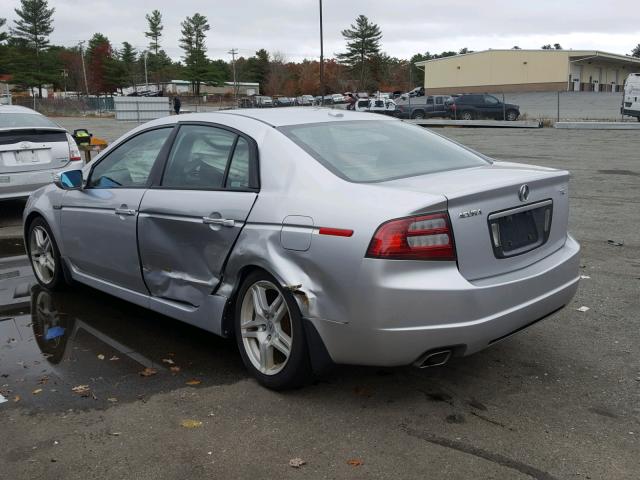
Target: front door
(189, 223)
(493, 107)
(99, 221)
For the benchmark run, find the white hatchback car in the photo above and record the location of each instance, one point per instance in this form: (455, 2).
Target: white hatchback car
(32, 150)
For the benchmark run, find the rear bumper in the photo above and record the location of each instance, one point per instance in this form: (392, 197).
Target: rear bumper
(22, 184)
(404, 313)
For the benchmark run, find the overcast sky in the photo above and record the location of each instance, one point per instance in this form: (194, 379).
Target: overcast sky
(408, 26)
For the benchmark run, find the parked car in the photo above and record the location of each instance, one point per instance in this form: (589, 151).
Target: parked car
(376, 105)
(283, 101)
(416, 92)
(305, 100)
(478, 106)
(631, 98)
(424, 249)
(423, 107)
(338, 98)
(263, 101)
(32, 150)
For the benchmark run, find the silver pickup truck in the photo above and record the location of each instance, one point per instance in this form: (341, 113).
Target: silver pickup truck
(422, 107)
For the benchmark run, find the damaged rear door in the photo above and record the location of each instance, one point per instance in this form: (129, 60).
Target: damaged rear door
(189, 223)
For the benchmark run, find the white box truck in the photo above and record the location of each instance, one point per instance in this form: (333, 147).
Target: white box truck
(631, 99)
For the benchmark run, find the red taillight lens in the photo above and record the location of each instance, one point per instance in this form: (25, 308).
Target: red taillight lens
(425, 237)
(74, 151)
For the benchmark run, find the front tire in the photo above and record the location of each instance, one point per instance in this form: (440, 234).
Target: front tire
(419, 115)
(270, 334)
(512, 115)
(44, 255)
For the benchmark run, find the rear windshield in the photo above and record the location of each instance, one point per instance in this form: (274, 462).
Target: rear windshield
(376, 151)
(19, 120)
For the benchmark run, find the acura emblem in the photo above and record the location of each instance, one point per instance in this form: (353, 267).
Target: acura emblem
(523, 193)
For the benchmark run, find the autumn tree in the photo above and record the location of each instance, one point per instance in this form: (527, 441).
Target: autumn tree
(33, 27)
(194, 31)
(363, 41)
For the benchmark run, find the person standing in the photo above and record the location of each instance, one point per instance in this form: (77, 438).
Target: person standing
(177, 104)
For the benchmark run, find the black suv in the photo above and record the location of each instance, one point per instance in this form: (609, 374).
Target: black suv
(477, 106)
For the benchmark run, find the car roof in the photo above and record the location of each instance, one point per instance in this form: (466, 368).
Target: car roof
(16, 109)
(278, 117)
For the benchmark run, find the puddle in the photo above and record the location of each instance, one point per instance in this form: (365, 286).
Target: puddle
(10, 247)
(53, 342)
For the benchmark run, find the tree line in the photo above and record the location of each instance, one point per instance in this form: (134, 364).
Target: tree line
(102, 68)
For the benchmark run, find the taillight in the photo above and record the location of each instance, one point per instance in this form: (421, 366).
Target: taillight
(74, 151)
(424, 237)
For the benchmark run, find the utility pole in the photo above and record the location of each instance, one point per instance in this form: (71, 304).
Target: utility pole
(84, 70)
(321, 60)
(233, 53)
(146, 76)
(65, 74)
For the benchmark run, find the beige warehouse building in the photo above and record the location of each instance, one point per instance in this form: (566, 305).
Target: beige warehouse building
(528, 71)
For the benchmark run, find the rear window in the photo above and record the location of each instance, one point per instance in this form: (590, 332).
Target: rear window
(377, 151)
(19, 120)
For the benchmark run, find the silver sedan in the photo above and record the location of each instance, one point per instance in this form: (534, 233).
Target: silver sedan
(313, 237)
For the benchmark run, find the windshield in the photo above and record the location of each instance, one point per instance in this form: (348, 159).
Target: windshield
(25, 120)
(377, 151)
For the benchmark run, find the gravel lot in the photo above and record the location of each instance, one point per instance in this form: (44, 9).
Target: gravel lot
(558, 401)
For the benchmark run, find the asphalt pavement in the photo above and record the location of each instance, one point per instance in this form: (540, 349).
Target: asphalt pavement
(99, 388)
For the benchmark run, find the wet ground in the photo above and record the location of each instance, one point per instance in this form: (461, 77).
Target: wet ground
(558, 401)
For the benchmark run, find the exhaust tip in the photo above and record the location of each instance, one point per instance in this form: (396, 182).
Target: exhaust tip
(433, 359)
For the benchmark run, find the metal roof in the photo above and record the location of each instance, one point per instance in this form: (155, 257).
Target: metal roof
(570, 53)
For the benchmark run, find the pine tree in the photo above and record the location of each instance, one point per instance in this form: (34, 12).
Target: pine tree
(33, 27)
(155, 30)
(192, 42)
(363, 42)
(3, 35)
(636, 51)
(128, 56)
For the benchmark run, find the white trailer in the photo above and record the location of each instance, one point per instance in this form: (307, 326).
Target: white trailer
(631, 99)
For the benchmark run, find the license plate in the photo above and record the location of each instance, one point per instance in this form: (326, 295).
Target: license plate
(27, 157)
(5, 179)
(519, 230)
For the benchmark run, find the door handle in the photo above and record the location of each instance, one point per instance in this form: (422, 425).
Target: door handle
(124, 211)
(218, 221)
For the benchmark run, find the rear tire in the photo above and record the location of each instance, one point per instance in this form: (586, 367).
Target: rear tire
(270, 334)
(44, 255)
(512, 115)
(467, 115)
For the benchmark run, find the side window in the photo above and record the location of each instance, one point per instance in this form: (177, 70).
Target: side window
(489, 100)
(429, 100)
(238, 176)
(199, 157)
(439, 100)
(129, 165)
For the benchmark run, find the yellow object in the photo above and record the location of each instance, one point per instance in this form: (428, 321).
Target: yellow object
(98, 141)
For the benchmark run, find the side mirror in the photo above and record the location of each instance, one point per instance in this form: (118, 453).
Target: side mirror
(69, 180)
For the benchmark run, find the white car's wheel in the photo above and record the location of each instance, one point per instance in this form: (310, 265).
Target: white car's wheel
(270, 334)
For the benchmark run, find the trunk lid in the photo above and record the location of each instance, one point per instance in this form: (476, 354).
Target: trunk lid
(495, 231)
(32, 149)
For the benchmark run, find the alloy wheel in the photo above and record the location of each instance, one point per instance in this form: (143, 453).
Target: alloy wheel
(266, 327)
(42, 255)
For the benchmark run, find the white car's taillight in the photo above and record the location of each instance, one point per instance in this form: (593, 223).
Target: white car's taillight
(74, 151)
(424, 237)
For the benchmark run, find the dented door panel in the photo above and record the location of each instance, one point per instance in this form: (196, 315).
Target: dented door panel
(185, 237)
